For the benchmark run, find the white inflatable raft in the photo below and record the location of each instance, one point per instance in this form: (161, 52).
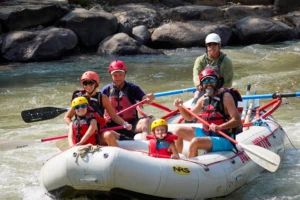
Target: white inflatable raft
(127, 171)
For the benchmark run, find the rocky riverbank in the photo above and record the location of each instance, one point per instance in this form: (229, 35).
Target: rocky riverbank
(46, 30)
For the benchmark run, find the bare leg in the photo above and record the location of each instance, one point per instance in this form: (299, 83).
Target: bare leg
(109, 138)
(204, 143)
(183, 133)
(143, 126)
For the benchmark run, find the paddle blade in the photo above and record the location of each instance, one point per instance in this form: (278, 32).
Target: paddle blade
(263, 157)
(18, 144)
(40, 114)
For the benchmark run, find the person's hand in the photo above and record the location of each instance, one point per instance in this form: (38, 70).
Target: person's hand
(213, 127)
(173, 156)
(150, 97)
(199, 87)
(178, 102)
(127, 126)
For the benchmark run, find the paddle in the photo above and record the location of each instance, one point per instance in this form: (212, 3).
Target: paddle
(40, 114)
(45, 113)
(263, 157)
(271, 96)
(26, 143)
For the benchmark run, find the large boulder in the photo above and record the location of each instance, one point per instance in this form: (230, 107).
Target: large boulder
(141, 34)
(188, 34)
(138, 14)
(48, 44)
(122, 44)
(91, 27)
(253, 2)
(20, 17)
(188, 13)
(285, 6)
(239, 12)
(294, 18)
(253, 30)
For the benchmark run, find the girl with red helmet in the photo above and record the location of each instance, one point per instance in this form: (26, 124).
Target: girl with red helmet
(218, 107)
(123, 94)
(99, 102)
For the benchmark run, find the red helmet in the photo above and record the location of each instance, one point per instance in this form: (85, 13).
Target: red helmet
(208, 72)
(90, 75)
(117, 65)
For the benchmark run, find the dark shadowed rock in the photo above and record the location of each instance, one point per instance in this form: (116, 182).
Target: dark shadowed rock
(90, 27)
(253, 30)
(19, 17)
(285, 6)
(124, 28)
(188, 13)
(188, 34)
(239, 12)
(138, 14)
(294, 17)
(141, 34)
(48, 44)
(122, 44)
(254, 2)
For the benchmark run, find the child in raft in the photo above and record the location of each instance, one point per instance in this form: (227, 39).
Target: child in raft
(83, 129)
(162, 143)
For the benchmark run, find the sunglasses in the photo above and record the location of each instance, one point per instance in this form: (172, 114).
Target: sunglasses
(80, 106)
(209, 80)
(212, 44)
(88, 83)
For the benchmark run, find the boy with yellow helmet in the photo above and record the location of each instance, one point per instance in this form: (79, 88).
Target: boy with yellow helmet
(162, 142)
(83, 129)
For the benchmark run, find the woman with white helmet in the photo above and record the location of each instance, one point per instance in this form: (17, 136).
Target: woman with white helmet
(215, 59)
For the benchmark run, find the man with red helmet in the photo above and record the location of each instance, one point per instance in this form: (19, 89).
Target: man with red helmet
(99, 103)
(123, 94)
(218, 108)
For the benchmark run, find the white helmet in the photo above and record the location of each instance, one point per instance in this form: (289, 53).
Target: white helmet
(213, 37)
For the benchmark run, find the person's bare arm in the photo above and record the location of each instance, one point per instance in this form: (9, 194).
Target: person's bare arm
(231, 109)
(196, 109)
(68, 116)
(175, 154)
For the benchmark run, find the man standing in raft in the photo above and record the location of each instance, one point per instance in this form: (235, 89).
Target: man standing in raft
(218, 107)
(162, 142)
(123, 94)
(215, 59)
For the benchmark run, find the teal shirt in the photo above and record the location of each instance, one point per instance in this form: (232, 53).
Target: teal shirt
(226, 69)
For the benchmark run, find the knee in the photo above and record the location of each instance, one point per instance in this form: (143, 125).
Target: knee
(108, 136)
(195, 143)
(177, 131)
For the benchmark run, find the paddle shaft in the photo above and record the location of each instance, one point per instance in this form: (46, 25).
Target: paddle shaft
(245, 147)
(207, 124)
(26, 143)
(270, 96)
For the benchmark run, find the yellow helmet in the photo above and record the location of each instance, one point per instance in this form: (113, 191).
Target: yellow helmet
(158, 122)
(78, 101)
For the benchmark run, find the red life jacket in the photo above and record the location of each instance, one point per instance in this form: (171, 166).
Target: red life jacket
(213, 111)
(95, 108)
(120, 99)
(164, 144)
(79, 127)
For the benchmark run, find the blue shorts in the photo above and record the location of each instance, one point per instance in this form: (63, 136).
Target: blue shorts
(218, 143)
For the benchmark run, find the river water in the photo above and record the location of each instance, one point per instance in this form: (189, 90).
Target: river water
(268, 68)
